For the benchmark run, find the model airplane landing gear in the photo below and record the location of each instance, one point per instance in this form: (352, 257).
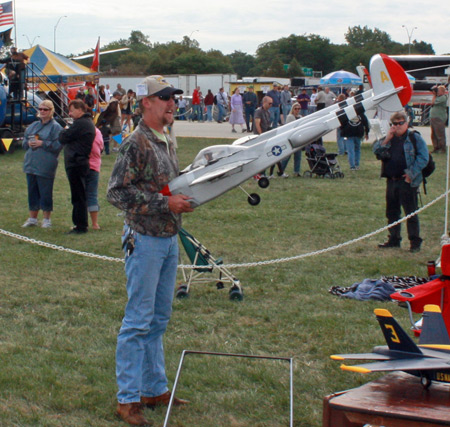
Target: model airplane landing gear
(254, 199)
(263, 182)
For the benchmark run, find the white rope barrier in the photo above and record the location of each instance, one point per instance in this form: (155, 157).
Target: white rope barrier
(242, 265)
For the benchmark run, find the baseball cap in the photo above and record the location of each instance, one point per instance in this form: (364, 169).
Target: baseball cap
(155, 85)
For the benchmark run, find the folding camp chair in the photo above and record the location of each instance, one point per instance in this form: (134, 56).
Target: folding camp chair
(200, 257)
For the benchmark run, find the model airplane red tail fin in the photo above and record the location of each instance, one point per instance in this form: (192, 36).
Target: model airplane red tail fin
(396, 338)
(433, 327)
(365, 76)
(387, 74)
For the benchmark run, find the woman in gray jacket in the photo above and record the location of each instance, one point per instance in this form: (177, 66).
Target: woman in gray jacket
(41, 160)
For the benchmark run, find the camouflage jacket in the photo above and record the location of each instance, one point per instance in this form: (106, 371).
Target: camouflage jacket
(144, 165)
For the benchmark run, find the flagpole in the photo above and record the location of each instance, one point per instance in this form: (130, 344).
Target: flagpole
(97, 48)
(15, 25)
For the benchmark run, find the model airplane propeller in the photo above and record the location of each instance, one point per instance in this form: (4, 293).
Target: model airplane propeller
(218, 169)
(430, 360)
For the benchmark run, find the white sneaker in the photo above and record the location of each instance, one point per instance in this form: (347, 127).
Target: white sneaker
(30, 222)
(46, 223)
(284, 175)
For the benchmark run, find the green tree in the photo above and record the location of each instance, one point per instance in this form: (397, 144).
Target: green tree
(241, 62)
(138, 41)
(134, 63)
(360, 38)
(295, 70)
(311, 51)
(275, 69)
(422, 48)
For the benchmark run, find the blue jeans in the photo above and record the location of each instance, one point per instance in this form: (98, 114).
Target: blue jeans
(221, 112)
(297, 162)
(197, 112)
(304, 113)
(249, 113)
(353, 146)
(151, 273)
(209, 113)
(40, 193)
(182, 113)
(92, 191)
(286, 110)
(340, 142)
(274, 116)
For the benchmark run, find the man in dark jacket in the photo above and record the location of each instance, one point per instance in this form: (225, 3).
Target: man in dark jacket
(250, 103)
(402, 164)
(352, 132)
(77, 141)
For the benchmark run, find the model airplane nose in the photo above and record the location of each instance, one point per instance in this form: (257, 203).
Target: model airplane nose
(166, 191)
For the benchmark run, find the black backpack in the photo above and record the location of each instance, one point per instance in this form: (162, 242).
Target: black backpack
(431, 165)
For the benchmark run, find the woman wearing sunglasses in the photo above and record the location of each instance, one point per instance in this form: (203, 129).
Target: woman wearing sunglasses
(41, 160)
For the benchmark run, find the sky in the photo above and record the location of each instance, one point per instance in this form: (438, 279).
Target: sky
(223, 25)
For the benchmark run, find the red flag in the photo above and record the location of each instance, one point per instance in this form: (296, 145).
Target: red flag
(96, 59)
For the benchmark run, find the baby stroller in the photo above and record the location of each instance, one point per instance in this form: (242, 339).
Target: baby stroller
(321, 163)
(205, 263)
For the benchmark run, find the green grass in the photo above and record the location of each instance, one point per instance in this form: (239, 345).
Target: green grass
(60, 313)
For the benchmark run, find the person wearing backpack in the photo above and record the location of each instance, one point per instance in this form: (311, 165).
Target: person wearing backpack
(404, 154)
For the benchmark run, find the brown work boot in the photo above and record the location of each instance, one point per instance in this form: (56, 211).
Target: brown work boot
(162, 400)
(131, 413)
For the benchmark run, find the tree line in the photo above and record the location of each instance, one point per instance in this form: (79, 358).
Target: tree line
(284, 57)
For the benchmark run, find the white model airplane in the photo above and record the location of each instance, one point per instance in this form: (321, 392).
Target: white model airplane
(219, 168)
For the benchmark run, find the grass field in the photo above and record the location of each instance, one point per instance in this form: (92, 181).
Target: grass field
(60, 313)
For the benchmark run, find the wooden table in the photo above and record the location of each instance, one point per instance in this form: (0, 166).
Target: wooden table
(395, 400)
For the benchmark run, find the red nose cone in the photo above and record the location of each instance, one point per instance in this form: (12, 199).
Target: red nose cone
(166, 191)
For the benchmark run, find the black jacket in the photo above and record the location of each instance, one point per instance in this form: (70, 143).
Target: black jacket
(77, 141)
(356, 127)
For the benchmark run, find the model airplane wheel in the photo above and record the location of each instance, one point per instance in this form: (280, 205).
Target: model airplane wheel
(236, 293)
(425, 381)
(307, 174)
(182, 292)
(254, 199)
(220, 285)
(263, 182)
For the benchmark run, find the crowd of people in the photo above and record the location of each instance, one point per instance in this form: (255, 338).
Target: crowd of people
(121, 113)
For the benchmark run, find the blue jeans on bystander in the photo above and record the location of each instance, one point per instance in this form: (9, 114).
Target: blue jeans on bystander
(353, 146)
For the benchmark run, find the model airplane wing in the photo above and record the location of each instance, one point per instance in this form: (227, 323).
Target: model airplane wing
(360, 356)
(415, 364)
(222, 171)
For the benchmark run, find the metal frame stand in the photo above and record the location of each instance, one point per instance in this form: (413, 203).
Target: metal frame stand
(287, 359)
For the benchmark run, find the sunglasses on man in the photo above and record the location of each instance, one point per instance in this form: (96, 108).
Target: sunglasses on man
(166, 98)
(398, 123)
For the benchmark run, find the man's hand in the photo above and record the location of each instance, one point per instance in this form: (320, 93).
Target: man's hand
(180, 204)
(390, 135)
(407, 178)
